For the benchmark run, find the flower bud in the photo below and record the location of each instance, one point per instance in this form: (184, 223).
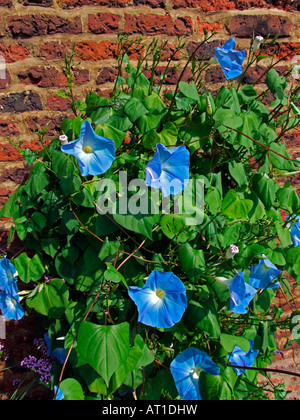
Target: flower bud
(208, 106)
(231, 252)
(63, 139)
(256, 45)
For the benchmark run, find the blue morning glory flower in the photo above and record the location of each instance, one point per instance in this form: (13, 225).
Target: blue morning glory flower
(186, 369)
(95, 154)
(295, 231)
(162, 301)
(168, 170)
(8, 274)
(230, 60)
(240, 358)
(264, 274)
(59, 396)
(241, 293)
(10, 306)
(59, 353)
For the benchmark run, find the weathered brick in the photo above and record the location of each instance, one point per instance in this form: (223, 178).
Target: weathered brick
(13, 53)
(47, 77)
(15, 174)
(8, 153)
(91, 50)
(36, 25)
(43, 3)
(152, 3)
(284, 50)
(53, 127)
(205, 5)
(6, 3)
(21, 102)
(157, 24)
(56, 103)
(172, 77)
(206, 51)
(4, 195)
(103, 23)
(54, 50)
(80, 3)
(209, 27)
(107, 74)
(5, 81)
(8, 128)
(243, 26)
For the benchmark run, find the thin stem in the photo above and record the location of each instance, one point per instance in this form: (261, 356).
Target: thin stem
(266, 370)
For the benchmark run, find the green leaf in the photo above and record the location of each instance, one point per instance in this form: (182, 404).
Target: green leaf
(134, 109)
(72, 390)
(192, 261)
(139, 223)
(288, 199)
(103, 347)
(202, 317)
(235, 208)
(113, 275)
(29, 269)
(238, 173)
(230, 341)
(51, 300)
(189, 90)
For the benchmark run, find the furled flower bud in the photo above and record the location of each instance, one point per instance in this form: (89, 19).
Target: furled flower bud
(231, 252)
(208, 106)
(256, 45)
(63, 139)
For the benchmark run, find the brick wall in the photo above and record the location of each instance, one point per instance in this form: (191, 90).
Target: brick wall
(36, 34)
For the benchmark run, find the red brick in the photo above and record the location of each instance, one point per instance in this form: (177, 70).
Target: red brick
(54, 50)
(6, 81)
(284, 50)
(91, 50)
(152, 3)
(80, 3)
(157, 24)
(4, 195)
(21, 102)
(8, 128)
(13, 53)
(53, 127)
(205, 5)
(8, 153)
(103, 23)
(56, 103)
(16, 175)
(43, 3)
(172, 77)
(243, 26)
(6, 3)
(209, 27)
(37, 25)
(47, 77)
(107, 74)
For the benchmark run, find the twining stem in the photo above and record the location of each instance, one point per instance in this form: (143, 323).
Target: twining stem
(265, 370)
(260, 144)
